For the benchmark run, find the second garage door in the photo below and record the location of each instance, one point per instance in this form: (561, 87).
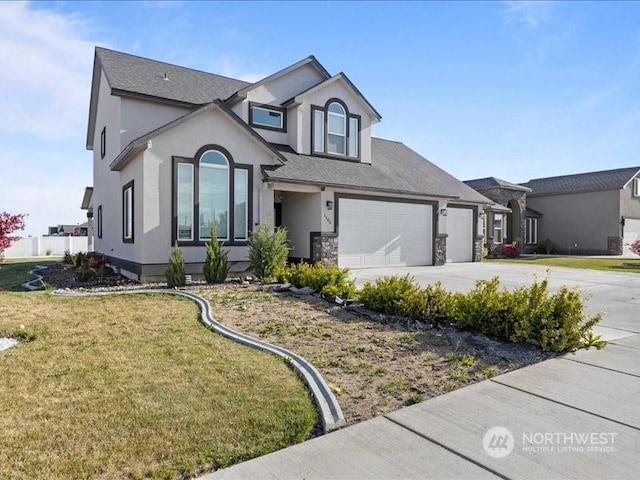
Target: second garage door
(375, 233)
(460, 235)
(631, 234)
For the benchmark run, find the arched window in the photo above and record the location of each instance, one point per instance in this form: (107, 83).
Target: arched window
(213, 187)
(335, 131)
(211, 190)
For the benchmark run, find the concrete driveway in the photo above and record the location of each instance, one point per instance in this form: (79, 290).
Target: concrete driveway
(575, 416)
(615, 295)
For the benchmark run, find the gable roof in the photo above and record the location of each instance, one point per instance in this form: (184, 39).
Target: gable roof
(141, 143)
(394, 168)
(493, 182)
(339, 77)
(583, 182)
(130, 74)
(311, 60)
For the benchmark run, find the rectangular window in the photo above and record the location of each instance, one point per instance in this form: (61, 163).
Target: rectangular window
(336, 134)
(318, 131)
(265, 116)
(353, 137)
(127, 213)
(531, 231)
(213, 201)
(99, 221)
(498, 224)
(241, 204)
(103, 142)
(636, 187)
(185, 202)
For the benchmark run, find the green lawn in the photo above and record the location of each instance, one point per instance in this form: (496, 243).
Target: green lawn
(15, 271)
(134, 386)
(610, 264)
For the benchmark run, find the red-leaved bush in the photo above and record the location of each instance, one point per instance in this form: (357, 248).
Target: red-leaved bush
(8, 224)
(510, 250)
(635, 247)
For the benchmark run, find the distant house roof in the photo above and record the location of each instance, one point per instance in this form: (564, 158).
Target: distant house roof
(394, 168)
(137, 75)
(493, 182)
(582, 182)
(530, 212)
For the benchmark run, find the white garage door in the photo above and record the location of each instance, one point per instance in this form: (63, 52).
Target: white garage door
(374, 233)
(460, 234)
(631, 234)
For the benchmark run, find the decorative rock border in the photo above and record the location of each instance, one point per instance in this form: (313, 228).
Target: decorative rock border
(330, 412)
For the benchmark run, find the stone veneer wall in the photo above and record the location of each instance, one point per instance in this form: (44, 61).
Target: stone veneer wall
(441, 249)
(502, 196)
(477, 248)
(614, 245)
(324, 248)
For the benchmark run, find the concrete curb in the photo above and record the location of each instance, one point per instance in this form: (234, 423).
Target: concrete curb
(330, 412)
(37, 282)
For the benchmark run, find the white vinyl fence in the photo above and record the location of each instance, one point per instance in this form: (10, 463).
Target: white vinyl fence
(41, 246)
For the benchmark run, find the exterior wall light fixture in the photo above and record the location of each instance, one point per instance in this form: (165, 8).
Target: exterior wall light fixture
(443, 211)
(329, 205)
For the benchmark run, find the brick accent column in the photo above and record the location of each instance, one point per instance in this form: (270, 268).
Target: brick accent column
(614, 245)
(324, 248)
(441, 249)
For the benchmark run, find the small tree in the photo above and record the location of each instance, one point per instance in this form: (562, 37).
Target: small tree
(8, 224)
(268, 250)
(175, 271)
(216, 266)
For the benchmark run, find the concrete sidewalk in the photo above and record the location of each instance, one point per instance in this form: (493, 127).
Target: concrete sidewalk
(572, 417)
(577, 416)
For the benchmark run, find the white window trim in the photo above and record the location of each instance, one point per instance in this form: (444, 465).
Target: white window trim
(531, 231)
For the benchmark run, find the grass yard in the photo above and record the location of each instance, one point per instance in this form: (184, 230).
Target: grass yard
(15, 271)
(134, 386)
(373, 368)
(610, 264)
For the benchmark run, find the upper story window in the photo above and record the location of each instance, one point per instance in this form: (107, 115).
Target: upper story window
(211, 190)
(267, 117)
(636, 187)
(335, 132)
(103, 142)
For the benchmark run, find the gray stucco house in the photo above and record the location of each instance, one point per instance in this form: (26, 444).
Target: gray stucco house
(586, 213)
(176, 151)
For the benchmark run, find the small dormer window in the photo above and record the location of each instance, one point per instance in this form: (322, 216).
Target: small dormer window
(335, 131)
(267, 117)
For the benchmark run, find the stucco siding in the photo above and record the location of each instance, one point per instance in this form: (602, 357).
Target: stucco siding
(139, 117)
(185, 140)
(106, 184)
(583, 219)
(283, 88)
(301, 215)
(629, 205)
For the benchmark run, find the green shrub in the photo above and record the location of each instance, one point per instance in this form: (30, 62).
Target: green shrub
(331, 280)
(547, 247)
(78, 258)
(268, 251)
(93, 265)
(216, 265)
(430, 304)
(175, 273)
(386, 294)
(68, 259)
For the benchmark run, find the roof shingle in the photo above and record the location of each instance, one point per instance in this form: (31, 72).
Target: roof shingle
(493, 182)
(137, 75)
(394, 168)
(582, 182)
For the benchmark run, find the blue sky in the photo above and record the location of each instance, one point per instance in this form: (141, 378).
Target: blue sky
(516, 90)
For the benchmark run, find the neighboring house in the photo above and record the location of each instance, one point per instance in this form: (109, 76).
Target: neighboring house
(587, 213)
(177, 151)
(68, 230)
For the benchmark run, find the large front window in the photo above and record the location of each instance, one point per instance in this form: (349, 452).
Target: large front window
(335, 131)
(211, 190)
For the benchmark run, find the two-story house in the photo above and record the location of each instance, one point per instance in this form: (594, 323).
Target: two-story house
(176, 151)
